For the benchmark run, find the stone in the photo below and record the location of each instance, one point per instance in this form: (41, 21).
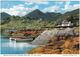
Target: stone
(49, 34)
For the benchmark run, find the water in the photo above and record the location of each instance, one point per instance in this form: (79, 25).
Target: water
(13, 47)
(10, 30)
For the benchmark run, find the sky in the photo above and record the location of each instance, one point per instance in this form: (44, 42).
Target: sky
(21, 8)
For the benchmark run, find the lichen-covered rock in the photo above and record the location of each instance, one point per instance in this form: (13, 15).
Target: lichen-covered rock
(69, 51)
(59, 45)
(71, 43)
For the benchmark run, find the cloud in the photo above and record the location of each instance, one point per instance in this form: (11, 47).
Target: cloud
(29, 3)
(37, 2)
(21, 10)
(68, 7)
(51, 9)
(41, 2)
(57, 8)
(18, 10)
(59, 2)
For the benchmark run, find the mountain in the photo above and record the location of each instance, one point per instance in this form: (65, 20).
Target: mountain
(37, 14)
(74, 13)
(4, 15)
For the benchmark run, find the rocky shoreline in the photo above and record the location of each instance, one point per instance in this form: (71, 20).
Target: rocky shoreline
(44, 37)
(59, 41)
(59, 45)
(66, 42)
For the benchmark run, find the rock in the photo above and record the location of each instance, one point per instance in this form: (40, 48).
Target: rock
(70, 45)
(49, 34)
(74, 43)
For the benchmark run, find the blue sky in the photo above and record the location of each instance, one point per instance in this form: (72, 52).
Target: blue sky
(16, 7)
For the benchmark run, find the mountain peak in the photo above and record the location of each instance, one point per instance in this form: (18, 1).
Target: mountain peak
(36, 10)
(35, 14)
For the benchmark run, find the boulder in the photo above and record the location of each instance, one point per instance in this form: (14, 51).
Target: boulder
(49, 34)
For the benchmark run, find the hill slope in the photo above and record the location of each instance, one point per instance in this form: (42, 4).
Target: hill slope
(72, 16)
(70, 13)
(4, 15)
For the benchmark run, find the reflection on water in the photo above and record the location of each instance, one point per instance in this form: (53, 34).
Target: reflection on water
(15, 44)
(13, 47)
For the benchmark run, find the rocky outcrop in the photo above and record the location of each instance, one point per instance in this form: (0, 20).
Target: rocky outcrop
(49, 34)
(59, 45)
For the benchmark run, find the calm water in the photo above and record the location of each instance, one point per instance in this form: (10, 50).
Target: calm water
(10, 30)
(13, 47)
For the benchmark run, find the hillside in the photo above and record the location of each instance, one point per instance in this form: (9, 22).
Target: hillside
(52, 15)
(24, 23)
(4, 15)
(72, 16)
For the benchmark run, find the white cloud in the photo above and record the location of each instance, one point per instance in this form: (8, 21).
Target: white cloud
(68, 7)
(21, 10)
(59, 2)
(51, 9)
(29, 3)
(37, 2)
(18, 10)
(41, 2)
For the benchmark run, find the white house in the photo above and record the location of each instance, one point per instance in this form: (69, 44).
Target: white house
(65, 23)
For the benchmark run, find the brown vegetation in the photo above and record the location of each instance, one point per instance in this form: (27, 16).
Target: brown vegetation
(59, 45)
(38, 50)
(26, 33)
(70, 51)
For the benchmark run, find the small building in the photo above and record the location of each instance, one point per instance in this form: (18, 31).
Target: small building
(65, 23)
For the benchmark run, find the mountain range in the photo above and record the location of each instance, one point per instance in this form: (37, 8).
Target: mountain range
(37, 14)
